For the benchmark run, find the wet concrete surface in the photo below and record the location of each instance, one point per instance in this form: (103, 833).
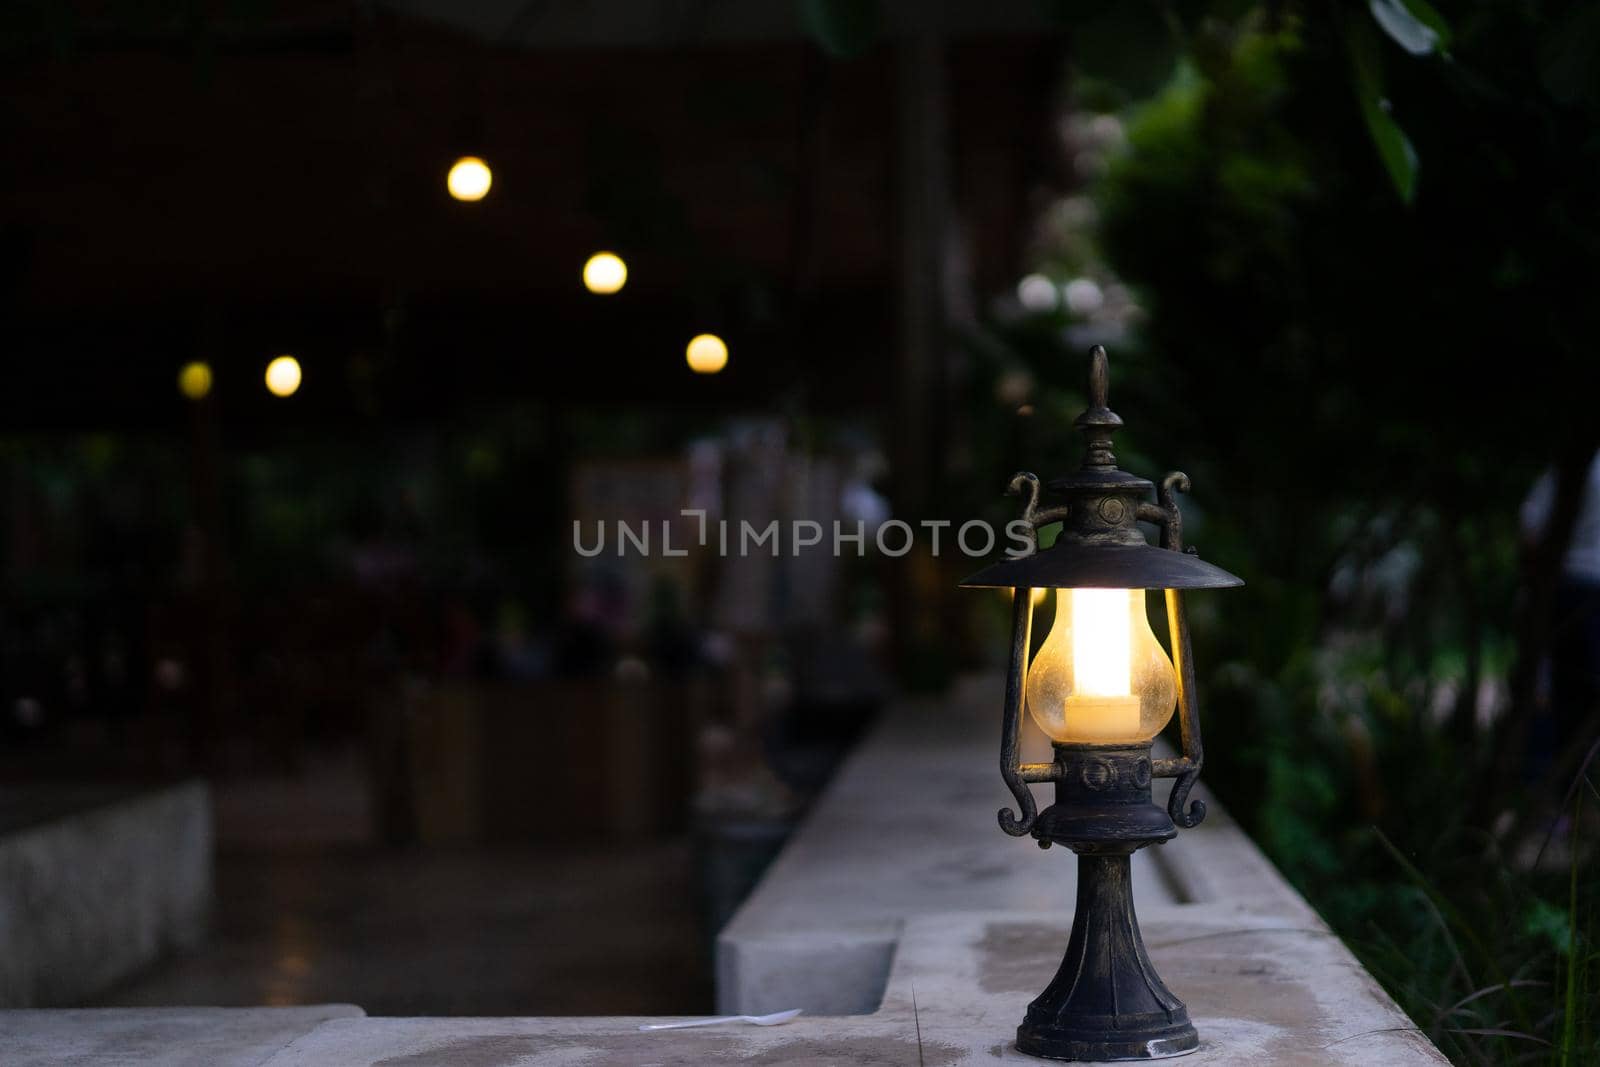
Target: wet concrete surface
(551, 930)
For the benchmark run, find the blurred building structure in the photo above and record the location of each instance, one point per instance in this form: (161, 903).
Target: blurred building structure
(356, 607)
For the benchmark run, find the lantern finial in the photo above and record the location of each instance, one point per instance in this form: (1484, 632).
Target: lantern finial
(1099, 422)
(1099, 376)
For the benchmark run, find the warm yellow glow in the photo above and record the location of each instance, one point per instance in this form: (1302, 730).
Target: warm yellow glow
(1101, 642)
(1100, 675)
(605, 273)
(707, 354)
(194, 380)
(469, 179)
(1037, 597)
(283, 376)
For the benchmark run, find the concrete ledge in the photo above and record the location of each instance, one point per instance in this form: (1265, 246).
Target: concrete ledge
(906, 828)
(1261, 988)
(900, 898)
(1264, 991)
(94, 887)
(170, 1037)
(907, 831)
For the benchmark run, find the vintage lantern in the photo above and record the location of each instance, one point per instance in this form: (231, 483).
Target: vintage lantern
(1102, 688)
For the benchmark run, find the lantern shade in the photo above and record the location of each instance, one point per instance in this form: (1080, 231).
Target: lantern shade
(1081, 566)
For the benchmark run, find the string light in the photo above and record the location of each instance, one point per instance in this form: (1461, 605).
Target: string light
(605, 273)
(707, 354)
(283, 376)
(469, 179)
(194, 380)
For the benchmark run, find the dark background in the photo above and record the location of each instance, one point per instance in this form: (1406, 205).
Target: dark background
(1344, 256)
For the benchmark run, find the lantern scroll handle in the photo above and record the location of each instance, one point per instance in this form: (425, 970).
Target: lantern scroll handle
(1026, 485)
(1017, 775)
(1011, 724)
(1186, 768)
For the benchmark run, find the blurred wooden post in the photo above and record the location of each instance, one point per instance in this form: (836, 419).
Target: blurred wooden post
(923, 217)
(209, 656)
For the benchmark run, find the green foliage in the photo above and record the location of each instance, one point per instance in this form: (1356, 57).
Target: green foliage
(1413, 25)
(1362, 386)
(1319, 322)
(1394, 147)
(1126, 47)
(843, 29)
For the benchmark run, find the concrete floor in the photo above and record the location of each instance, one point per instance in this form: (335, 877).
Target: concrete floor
(550, 930)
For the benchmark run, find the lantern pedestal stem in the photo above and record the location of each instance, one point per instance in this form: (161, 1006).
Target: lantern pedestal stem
(1106, 1002)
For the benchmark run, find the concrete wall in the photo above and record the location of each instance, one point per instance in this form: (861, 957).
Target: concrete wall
(900, 899)
(901, 881)
(96, 885)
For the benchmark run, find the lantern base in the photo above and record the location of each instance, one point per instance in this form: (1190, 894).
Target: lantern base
(1106, 1002)
(1154, 1044)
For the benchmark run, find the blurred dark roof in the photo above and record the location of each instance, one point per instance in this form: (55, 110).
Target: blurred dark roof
(677, 23)
(232, 190)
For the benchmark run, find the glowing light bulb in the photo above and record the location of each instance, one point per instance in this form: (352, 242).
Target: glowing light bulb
(1102, 646)
(707, 354)
(605, 273)
(1101, 676)
(283, 376)
(469, 179)
(194, 380)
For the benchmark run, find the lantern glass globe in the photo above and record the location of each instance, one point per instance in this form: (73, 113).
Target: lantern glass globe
(1101, 677)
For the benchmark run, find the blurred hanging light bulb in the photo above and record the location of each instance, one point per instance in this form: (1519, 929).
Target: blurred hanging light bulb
(469, 179)
(1083, 296)
(283, 376)
(707, 354)
(194, 380)
(605, 273)
(1037, 293)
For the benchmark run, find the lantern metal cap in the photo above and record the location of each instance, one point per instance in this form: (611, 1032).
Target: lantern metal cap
(1100, 544)
(1104, 567)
